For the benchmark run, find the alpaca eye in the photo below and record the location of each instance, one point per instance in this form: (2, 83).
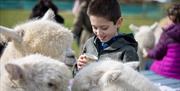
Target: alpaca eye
(21, 32)
(50, 85)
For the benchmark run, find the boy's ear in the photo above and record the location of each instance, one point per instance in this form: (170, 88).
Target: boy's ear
(119, 22)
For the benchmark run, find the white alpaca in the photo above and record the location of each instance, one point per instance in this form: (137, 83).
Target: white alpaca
(111, 75)
(34, 73)
(147, 37)
(43, 36)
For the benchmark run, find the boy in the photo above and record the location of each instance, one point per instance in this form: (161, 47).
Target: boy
(105, 18)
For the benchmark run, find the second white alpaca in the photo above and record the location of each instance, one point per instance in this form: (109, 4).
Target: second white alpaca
(147, 37)
(34, 73)
(111, 75)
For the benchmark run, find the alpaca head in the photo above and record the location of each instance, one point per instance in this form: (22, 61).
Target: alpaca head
(35, 73)
(43, 36)
(144, 35)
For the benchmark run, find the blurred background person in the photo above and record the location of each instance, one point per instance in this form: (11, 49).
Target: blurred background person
(75, 8)
(42, 6)
(82, 28)
(166, 52)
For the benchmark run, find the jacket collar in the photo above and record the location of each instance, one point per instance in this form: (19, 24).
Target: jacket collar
(116, 42)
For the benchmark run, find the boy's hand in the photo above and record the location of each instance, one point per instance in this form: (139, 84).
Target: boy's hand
(81, 62)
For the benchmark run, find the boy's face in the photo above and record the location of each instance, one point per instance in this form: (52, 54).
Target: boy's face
(103, 28)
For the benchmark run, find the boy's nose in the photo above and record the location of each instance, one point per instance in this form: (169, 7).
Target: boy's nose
(99, 32)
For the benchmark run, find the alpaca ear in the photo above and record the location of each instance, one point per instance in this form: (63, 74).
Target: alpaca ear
(133, 65)
(110, 76)
(95, 77)
(154, 26)
(10, 34)
(49, 15)
(15, 72)
(133, 28)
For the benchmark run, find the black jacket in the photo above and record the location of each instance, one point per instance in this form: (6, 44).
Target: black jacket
(123, 49)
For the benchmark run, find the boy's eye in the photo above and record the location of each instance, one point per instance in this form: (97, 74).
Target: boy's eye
(104, 28)
(94, 27)
(101, 28)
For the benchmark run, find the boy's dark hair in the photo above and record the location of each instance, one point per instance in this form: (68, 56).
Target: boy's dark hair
(174, 11)
(108, 9)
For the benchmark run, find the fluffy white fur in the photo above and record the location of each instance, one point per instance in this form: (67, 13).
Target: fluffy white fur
(111, 75)
(43, 36)
(34, 73)
(147, 37)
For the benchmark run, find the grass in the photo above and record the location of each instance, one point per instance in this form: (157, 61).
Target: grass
(10, 18)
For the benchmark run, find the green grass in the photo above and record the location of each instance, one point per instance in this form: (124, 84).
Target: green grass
(10, 18)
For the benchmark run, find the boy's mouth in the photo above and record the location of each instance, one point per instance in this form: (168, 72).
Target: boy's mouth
(102, 37)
